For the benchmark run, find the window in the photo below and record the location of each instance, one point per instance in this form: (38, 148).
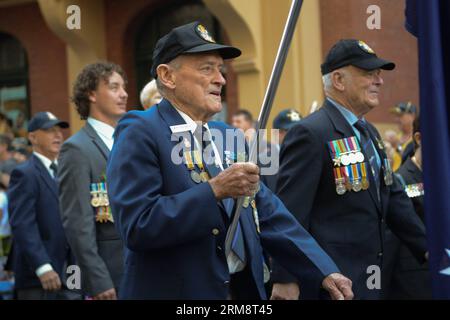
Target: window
(14, 102)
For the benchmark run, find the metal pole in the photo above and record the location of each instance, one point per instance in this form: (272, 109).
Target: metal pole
(269, 97)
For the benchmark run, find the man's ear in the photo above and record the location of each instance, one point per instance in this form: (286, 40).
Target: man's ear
(32, 137)
(417, 138)
(337, 78)
(166, 76)
(92, 97)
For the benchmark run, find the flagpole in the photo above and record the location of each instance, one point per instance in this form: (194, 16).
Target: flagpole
(269, 97)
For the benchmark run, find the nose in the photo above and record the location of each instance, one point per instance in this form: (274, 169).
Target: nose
(219, 78)
(123, 93)
(59, 134)
(378, 79)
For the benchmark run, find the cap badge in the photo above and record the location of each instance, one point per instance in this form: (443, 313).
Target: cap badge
(203, 32)
(51, 116)
(294, 116)
(365, 47)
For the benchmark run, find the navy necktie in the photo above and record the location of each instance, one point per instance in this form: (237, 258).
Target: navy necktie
(54, 168)
(368, 148)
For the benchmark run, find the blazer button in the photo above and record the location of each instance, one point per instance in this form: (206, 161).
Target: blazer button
(382, 220)
(380, 254)
(215, 231)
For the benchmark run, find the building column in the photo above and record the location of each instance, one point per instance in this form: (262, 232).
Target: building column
(83, 46)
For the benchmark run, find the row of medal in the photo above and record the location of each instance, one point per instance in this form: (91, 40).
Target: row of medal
(100, 201)
(352, 177)
(414, 190)
(345, 151)
(191, 159)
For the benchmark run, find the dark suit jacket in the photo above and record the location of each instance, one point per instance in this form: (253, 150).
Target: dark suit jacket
(174, 230)
(36, 223)
(351, 227)
(97, 246)
(411, 280)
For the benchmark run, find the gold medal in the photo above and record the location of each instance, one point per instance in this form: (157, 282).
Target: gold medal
(195, 176)
(364, 183)
(95, 201)
(105, 196)
(255, 215)
(246, 202)
(204, 176)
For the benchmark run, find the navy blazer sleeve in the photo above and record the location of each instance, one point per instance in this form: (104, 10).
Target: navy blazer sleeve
(288, 242)
(300, 156)
(146, 218)
(22, 195)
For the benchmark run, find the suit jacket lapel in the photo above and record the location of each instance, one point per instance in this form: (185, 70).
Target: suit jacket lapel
(97, 140)
(43, 172)
(169, 114)
(343, 127)
(384, 190)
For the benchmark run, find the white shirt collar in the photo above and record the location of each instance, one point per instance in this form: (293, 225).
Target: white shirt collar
(45, 161)
(105, 131)
(192, 127)
(191, 123)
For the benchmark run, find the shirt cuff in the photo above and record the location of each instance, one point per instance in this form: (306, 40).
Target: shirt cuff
(43, 269)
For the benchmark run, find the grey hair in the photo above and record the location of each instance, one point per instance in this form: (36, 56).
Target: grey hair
(327, 82)
(175, 64)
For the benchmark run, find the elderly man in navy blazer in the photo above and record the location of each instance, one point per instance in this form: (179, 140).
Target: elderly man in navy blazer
(41, 252)
(336, 179)
(173, 215)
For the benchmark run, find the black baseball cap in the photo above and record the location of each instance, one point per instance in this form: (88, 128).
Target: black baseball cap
(189, 38)
(286, 119)
(45, 120)
(356, 53)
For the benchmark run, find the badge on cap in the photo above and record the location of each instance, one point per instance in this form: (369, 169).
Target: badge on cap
(365, 47)
(51, 116)
(294, 116)
(203, 32)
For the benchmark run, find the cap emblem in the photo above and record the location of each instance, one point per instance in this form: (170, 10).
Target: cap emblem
(203, 32)
(294, 116)
(365, 47)
(51, 116)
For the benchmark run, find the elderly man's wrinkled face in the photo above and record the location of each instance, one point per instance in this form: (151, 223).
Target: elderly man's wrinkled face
(362, 88)
(47, 142)
(198, 84)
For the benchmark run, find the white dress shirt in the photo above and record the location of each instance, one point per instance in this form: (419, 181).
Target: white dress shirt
(104, 131)
(46, 162)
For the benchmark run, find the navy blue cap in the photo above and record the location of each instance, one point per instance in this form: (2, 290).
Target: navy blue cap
(404, 107)
(286, 119)
(45, 120)
(356, 53)
(189, 38)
